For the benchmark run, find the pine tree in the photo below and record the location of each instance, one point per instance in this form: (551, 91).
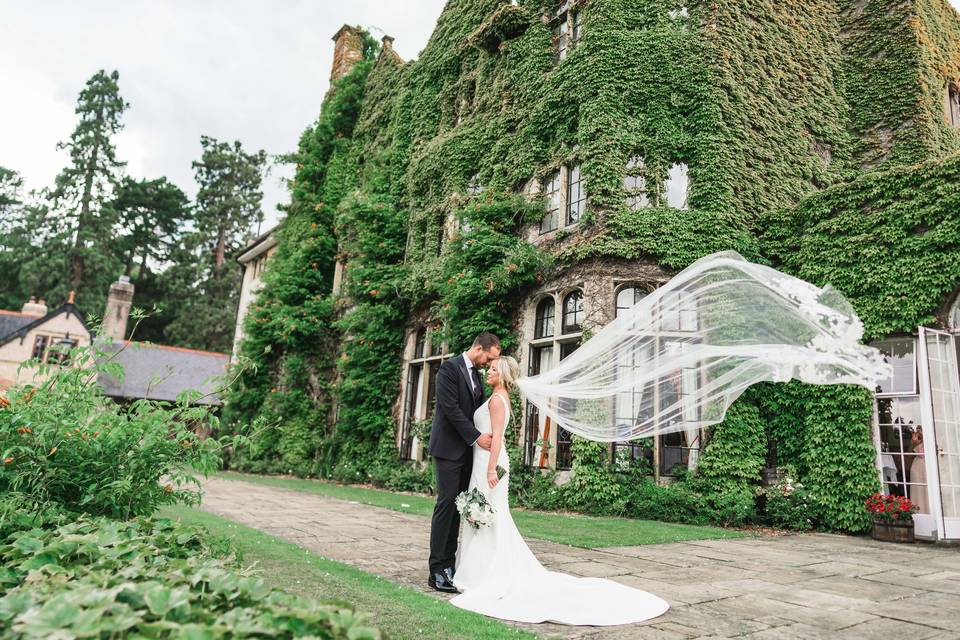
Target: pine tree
(14, 242)
(151, 214)
(227, 209)
(75, 236)
(228, 202)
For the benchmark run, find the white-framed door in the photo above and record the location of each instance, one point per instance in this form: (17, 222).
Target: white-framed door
(940, 408)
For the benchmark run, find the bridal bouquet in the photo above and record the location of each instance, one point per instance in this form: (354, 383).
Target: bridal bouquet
(475, 508)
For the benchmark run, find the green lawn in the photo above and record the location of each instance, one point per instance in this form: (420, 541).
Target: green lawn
(577, 531)
(399, 611)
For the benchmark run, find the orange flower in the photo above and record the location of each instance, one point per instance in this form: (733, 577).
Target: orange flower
(4, 403)
(7, 460)
(374, 292)
(52, 451)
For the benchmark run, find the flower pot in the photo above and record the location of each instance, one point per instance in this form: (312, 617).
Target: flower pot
(893, 531)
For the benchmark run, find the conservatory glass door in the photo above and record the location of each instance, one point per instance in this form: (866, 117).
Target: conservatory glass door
(943, 401)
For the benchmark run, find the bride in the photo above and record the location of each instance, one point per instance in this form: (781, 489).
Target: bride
(496, 572)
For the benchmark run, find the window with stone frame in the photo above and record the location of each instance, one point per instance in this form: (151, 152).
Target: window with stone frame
(953, 105)
(40, 344)
(567, 29)
(552, 193)
(635, 185)
(576, 200)
(566, 198)
(573, 313)
(546, 310)
(419, 391)
(635, 405)
(679, 449)
(549, 346)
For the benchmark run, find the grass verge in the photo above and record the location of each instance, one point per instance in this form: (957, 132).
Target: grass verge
(574, 530)
(401, 612)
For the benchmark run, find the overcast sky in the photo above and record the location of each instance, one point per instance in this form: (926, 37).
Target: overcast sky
(235, 70)
(254, 71)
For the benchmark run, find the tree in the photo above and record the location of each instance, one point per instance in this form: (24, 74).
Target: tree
(228, 202)
(14, 241)
(151, 214)
(10, 185)
(227, 208)
(73, 235)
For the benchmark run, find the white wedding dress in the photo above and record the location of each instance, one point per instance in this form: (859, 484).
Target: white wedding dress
(500, 577)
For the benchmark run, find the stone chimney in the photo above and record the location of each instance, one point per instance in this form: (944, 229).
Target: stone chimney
(117, 312)
(347, 50)
(386, 49)
(34, 308)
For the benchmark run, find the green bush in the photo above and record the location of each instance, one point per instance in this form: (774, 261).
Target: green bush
(729, 469)
(65, 443)
(788, 503)
(670, 503)
(146, 578)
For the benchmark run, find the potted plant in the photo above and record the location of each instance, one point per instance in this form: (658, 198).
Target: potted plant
(892, 517)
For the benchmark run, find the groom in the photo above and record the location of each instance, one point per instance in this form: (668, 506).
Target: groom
(459, 394)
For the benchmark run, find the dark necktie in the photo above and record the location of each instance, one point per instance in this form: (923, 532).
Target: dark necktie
(477, 385)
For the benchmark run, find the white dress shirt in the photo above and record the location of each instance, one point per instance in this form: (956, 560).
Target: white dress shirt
(473, 384)
(469, 362)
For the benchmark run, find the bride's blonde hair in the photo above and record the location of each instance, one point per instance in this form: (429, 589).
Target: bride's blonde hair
(509, 371)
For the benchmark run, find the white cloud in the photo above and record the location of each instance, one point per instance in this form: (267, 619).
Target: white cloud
(234, 69)
(252, 71)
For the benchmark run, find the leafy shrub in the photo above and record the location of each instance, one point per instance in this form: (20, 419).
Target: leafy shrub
(788, 503)
(593, 487)
(150, 578)
(729, 468)
(671, 503)
(65, 443)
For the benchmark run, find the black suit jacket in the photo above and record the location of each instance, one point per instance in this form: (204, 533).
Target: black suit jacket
(453, 432)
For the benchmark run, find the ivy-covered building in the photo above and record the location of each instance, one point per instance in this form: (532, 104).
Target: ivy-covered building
(543, 165)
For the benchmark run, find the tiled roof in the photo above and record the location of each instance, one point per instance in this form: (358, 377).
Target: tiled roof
(158, 372)
(11, 321)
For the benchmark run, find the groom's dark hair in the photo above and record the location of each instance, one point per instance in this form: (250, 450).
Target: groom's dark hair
(486, 341)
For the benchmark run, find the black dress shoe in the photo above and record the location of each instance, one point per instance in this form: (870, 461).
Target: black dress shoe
(441, 582)
(449, 572)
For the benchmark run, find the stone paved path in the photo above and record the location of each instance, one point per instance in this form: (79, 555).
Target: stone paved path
(801, 586)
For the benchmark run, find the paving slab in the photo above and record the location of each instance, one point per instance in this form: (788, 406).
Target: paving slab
(767, 588)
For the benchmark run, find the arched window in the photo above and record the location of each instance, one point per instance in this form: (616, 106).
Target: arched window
(421, 346)
(546, 311)
(627, 297)
(573, 312)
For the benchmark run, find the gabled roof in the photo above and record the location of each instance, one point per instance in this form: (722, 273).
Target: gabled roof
(10, 321)
(19, 329)
(157, 372)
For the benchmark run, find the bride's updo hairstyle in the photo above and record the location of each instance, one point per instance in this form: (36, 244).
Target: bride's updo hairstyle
(509, 371)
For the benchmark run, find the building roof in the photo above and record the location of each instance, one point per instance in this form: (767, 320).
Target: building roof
(264, 242)
(21, 324)
(11, 321)
(157, 372)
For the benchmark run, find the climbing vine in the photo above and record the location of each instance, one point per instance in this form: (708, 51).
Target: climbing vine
(406, 181)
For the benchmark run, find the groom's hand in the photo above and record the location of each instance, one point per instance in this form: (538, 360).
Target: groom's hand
(485, 440)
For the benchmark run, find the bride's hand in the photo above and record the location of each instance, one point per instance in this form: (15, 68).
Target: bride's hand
(492, 479)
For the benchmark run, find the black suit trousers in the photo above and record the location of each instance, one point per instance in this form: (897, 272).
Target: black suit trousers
(453, 477)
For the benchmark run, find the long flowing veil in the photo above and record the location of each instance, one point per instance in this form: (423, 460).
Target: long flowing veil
(678, 358)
